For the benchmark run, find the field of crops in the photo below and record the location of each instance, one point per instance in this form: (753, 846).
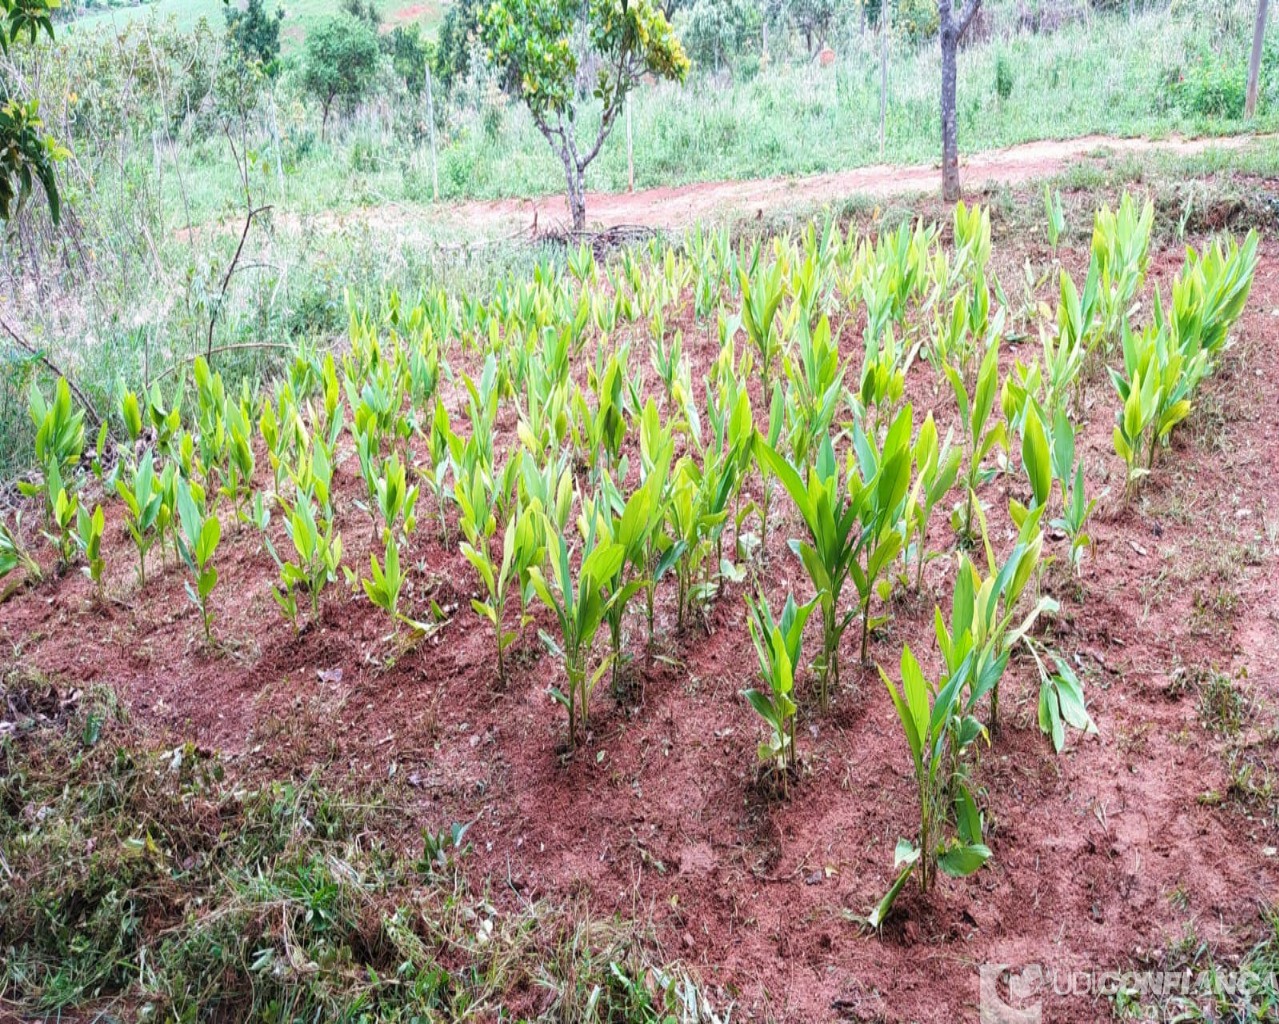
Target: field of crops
(859, 608)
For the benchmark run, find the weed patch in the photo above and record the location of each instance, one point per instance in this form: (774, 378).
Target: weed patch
(160, 882)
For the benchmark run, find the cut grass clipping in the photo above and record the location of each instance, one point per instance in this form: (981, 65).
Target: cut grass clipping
(157, 885)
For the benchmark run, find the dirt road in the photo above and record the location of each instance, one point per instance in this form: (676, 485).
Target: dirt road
(680, 206)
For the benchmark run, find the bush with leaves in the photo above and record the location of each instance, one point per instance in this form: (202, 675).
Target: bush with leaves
(253, 33)
(717, 32)
(88, 537)
(13, 555)
(199, 532)
(59, 443)
(456, 41)
(317, 548)
(846, 519)
(579, 602)
(339, 63)
(147, 506)
(27, 152)
(778, 644)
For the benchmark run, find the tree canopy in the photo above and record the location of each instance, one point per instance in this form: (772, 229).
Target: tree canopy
(27, 152)
(340, 61)
(253, 33)
(541, 46)
(462, 25)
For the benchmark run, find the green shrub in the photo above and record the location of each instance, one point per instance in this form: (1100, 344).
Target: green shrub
(1213, 85)
(917, 19)
(365, 157)
(1003, 77)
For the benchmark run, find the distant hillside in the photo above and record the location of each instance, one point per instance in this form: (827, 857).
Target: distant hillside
(299, 14)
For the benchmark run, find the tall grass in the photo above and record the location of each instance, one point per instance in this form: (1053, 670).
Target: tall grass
(1112, 74)
(103, 15)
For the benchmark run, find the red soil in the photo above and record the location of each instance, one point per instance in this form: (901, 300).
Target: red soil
(415, 12)
(1101, 855)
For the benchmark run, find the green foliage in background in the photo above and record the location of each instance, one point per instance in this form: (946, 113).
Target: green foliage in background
(253, 33)
(27, 152)
(339, 63)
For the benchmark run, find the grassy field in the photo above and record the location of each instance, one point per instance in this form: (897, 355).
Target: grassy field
(795, 118)
(299, 15)
(803, 118)
(281, 884)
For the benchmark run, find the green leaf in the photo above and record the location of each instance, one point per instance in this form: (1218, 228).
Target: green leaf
(962, 860)
(878, 915)
(1036, 456)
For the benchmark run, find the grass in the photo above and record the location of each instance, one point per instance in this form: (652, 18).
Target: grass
(790, 118)
(300, 15)
(1217, 989)
(801, 118)
(161, 885)
(1223, 707)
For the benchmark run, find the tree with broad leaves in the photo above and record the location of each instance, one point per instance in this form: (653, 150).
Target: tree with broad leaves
(27, 152)
(254, 33)
(539, 46)
(339, 63)
(952, 25)
(463, 22)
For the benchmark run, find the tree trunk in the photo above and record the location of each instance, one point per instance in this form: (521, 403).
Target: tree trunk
(430, 123)
(577, 202)
(574, 178)
(630, 149)
(949, 128)
(951, 26)
(1254, 63)
(883, 75)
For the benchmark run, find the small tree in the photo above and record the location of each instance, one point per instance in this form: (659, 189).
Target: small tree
(539, 45)
(812, 19)
(462, 25)
(716, 31)
(27, 152)
(339, 63)
(253, 33)
(409, 52)
(952, 25)
(365, 11)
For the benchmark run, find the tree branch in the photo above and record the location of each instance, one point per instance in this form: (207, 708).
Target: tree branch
(606, 126)
(52, 367)
(550, 134)
(626, 71)
(241, 347)
(226, 279)
(962, 21)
